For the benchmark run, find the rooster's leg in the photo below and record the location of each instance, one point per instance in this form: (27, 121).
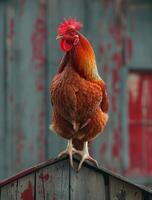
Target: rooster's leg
(70, 150)
(85, 156)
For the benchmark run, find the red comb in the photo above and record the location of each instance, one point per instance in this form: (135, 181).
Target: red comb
(70, 23)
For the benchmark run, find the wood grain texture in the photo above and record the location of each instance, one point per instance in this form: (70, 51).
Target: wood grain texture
(9, 192)
(26, 187)
(25, 101)
(30, 103)
(52, 182)
(120, 190)
(57, 180)
(86, 184)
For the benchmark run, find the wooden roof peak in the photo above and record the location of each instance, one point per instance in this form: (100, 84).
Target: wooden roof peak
(59, 171)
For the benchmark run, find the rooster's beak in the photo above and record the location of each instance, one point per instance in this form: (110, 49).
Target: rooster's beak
(59, 37)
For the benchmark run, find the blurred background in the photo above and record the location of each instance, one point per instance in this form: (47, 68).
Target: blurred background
(121, 34)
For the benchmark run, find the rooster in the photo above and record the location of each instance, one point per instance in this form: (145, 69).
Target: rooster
(78, 94)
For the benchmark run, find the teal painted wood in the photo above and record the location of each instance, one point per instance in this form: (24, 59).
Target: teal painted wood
(30, 32)
(25, 85)
(2, 91)
(11, 81)
(139, 26)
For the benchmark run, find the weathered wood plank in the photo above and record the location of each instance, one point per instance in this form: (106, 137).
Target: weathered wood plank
(2, 91)
(25, 84)
(139, 35)
(52, 182)
(30, 103)
(86, 184)
(55, 180)
(9, 192)
(11, 79)
(26, 187)
(121, 190)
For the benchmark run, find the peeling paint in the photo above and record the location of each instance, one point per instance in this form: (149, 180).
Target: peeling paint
(40, 86)
(117, 59)
(38, 41)
(27, 194)
(116, 32)
(103, 149)
(39, 37)
(11, 32)
(139, 84)
(44, 177)
(133, 85)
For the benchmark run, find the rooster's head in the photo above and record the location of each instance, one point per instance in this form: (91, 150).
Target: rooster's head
(68, 33)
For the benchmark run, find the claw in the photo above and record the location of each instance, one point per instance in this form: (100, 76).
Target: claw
(71, 160)
(70, 150)
(85, 156)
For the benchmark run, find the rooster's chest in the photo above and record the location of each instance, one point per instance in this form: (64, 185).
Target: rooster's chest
(76, 98)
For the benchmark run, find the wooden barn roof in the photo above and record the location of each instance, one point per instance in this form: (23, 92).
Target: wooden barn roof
(57, 180)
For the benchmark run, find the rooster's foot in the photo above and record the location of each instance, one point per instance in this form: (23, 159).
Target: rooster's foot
(70, 150)
(85, 156)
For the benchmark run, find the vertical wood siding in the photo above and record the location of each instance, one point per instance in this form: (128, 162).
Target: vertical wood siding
(57, 180)
(139, 68)
(140, 122)
(3, 93)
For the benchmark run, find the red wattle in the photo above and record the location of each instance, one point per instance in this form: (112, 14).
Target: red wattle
(65, 46)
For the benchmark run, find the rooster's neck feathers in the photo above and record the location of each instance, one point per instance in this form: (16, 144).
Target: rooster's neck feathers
(83, 59)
